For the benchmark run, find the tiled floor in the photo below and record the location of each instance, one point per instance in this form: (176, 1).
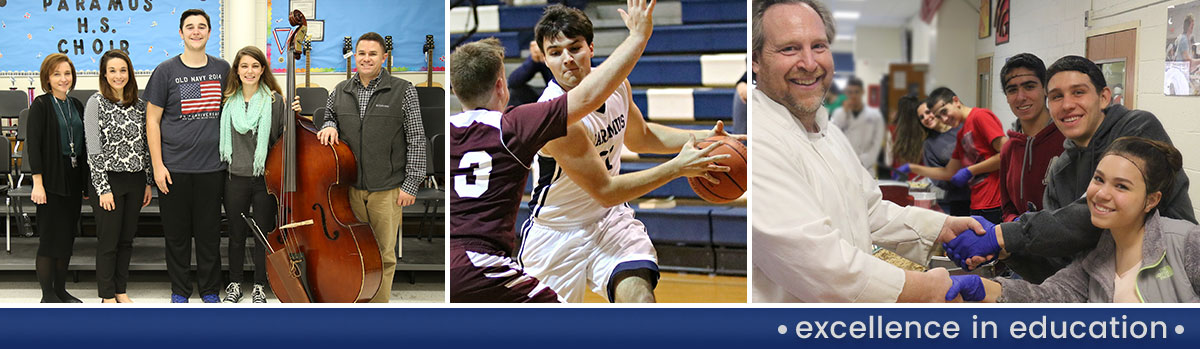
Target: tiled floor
(149, 283)
(154, 287)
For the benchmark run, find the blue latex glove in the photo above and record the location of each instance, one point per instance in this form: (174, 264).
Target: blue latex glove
(969, 286)
(961, 178)
(969, 244)
(904, 169)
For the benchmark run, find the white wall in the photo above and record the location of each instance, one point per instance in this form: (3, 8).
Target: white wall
(952, 63)
(922, 40)
(1052, 29)
(1047, 29)
(874, 49)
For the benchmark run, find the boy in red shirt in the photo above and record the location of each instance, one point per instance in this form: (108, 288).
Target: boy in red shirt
(976, 154)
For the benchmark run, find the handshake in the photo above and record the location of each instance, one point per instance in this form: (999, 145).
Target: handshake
(969, 243)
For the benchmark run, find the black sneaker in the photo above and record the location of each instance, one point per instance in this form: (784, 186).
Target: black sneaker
(233, 293)
(258, 295)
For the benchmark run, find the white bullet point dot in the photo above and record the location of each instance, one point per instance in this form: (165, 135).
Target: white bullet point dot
(1178, 329)
(783, 329)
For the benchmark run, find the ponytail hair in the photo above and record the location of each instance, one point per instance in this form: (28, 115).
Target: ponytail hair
(1161, 161)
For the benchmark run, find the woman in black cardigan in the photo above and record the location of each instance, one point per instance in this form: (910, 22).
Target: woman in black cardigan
(58, 160)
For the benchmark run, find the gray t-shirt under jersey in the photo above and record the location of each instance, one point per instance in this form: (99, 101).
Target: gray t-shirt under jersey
(191, 102)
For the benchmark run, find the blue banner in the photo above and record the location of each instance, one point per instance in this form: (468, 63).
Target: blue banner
(603, 327)
(30, 30)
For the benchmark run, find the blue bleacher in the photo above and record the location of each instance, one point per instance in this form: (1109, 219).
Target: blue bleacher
(713, 11)
(698, 38)
(510, 40)
(677, 187)
(689, 225)
(479, 2)
(520, 17)
(708, 104)
(664, 70)
(729, 226)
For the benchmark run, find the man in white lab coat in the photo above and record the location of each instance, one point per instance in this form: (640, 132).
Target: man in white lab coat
(813, 237)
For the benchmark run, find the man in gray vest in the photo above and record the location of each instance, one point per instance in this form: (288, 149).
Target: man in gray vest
(379, 117)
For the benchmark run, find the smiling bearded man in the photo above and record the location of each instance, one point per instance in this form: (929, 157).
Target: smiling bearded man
(813, 234)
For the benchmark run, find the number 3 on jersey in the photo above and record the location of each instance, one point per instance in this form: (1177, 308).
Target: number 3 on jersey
(481, 174)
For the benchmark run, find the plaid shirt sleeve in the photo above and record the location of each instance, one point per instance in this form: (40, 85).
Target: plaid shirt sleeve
(330, 114)
(415, 133)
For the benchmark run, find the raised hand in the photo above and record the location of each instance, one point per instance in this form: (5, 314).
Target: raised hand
(961, 249)
(639, 18)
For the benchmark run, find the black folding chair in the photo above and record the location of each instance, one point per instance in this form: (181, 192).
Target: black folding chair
(18, 153)
(12, 102)
(81, 95)
(433, 195)
(6, 168)
(311, 99)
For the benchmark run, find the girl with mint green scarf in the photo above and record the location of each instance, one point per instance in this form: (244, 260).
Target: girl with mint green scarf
(252, 119)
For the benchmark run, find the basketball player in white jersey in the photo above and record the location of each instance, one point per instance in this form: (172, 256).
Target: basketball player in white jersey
(580, 234)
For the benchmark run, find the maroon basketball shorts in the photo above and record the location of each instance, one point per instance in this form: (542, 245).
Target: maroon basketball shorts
(481, 274)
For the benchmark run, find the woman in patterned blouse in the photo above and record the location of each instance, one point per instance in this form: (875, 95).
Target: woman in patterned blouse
(115, 127)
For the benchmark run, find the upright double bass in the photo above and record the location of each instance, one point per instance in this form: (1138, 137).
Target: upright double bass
(318, 252)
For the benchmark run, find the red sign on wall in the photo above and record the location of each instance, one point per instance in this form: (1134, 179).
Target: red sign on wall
(929, 8)
(1002, 26)
(874, 94)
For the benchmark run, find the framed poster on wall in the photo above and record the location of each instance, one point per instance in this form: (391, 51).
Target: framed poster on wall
(1182, 60)
(985, 18)
(1114, 76)
(1003, 30)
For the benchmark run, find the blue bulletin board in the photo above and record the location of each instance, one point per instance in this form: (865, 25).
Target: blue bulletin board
(407, 21)
(84, 29)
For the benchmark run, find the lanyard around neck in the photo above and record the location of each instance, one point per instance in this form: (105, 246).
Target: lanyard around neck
(62, 116)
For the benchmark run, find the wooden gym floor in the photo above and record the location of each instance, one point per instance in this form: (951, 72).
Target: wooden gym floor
(693, 288)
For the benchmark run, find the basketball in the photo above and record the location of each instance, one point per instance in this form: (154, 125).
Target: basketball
(733, 183)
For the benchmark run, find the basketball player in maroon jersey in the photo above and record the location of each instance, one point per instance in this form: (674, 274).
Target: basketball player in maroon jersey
(491, 152)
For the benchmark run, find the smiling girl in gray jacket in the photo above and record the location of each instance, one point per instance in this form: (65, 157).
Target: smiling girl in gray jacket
(1142, 257)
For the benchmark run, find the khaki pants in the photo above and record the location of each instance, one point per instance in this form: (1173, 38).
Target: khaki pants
(379, 210)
